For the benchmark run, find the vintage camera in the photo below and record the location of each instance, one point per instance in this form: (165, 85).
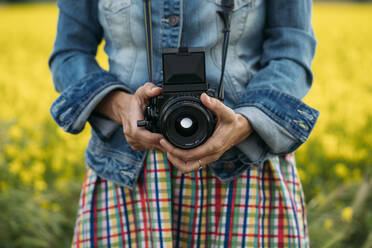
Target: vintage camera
(178, 114)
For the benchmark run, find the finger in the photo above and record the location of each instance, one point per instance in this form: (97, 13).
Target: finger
(184, 167)
(190, 166)
(217, 107)
(134, 134)
(135, 145)
(210, 147)
(156, 147)
(209, 159)
(159, 148)
(146, 137)
(137, 148)
(185, 155)
(148, 90)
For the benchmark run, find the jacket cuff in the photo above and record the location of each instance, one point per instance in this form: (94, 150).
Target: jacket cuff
(282, 121)
(103, 126)
(277, 138)
(254, 148)
(75, 105)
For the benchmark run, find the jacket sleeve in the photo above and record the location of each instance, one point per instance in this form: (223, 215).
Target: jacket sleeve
(271, 102)
(76, 74)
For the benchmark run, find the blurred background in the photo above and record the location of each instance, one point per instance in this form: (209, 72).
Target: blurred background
(42, 168)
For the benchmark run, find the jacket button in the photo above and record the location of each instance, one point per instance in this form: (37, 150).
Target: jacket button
(174, 21)
(228, 167)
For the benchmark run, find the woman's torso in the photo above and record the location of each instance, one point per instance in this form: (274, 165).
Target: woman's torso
(183, 23)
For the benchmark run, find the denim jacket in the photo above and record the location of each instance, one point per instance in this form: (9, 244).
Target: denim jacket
(267, 73)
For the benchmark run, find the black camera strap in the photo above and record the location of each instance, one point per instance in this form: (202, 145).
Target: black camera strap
(225, 15)
(148, 32)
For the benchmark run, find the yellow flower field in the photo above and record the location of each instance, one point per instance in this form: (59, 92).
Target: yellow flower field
(42, 168)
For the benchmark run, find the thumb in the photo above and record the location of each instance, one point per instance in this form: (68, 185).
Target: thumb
(216, 106)
(148, 90)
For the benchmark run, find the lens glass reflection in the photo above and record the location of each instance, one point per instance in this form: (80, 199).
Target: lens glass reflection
(186, 122)
(186, 126)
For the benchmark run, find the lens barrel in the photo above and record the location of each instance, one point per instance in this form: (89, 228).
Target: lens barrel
(185, 122)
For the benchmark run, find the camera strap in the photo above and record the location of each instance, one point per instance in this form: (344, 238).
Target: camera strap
(225, 15)
(148, 33)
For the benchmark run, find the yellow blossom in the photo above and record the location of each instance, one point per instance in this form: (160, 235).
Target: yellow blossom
(37, 168)
(26, 177)
(56, 207)
(302, 174)
(40, 185)
(342, 171)
(347, 214)
(15, 132)
(45, 204)
(15, 166)
(357, 174)
(328, 223)
(3, 186)
(11, 150)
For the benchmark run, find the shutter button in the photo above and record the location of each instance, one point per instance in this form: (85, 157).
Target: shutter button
(173, 21)
(228, 167)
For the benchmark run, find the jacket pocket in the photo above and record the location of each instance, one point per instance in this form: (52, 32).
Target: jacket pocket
(116, 17)
(115, 6)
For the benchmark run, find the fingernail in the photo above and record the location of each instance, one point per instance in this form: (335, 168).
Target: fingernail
(207, 98)
(153, 89)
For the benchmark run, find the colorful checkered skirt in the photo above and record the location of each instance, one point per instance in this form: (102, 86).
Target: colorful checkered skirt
(264, 207)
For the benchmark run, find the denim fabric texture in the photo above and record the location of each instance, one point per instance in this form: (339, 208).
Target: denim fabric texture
(272, 45)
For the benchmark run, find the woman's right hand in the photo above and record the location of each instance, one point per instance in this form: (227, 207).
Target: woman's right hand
(127, 109)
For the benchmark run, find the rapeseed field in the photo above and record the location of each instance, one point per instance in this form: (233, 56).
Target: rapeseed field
(42, 168)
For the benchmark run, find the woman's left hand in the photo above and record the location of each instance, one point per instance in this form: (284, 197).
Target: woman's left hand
(230, 130)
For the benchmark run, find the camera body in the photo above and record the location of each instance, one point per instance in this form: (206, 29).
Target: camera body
(177, 113)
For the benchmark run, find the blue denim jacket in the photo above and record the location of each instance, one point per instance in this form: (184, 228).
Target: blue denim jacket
(268, 71)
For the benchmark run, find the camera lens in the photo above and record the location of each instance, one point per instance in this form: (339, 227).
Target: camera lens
(185, 122)
(186, 126)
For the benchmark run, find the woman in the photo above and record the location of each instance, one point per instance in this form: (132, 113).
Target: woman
(240, 188)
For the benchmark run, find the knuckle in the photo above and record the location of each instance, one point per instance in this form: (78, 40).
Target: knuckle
(213, 147)
(216, 157)
(148, 85)
(140, 90)
(154, 140)
(134, 133)
(219, 144)
(127, 131)
(154, 147)
(188, 157)
(171, 150)
(128, 138)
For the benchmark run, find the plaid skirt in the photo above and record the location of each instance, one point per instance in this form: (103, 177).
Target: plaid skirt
(264, 207)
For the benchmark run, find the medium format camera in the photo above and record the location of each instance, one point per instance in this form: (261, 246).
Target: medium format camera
(177, 113)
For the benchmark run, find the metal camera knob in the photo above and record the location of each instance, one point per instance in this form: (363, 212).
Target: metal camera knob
(211, 92)
(143, 123)
(151, 113)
